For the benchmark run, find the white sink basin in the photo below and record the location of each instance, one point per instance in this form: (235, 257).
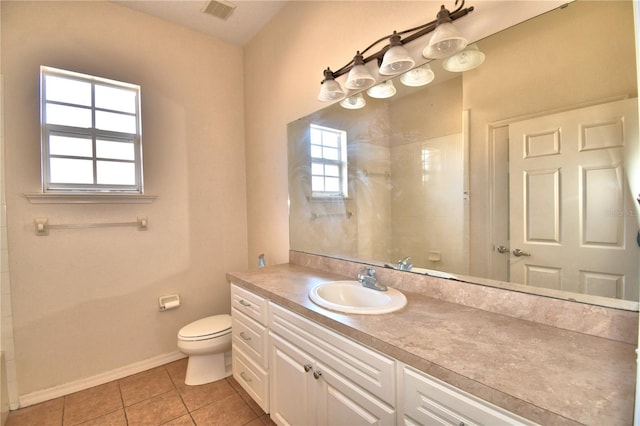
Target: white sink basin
(352, 298)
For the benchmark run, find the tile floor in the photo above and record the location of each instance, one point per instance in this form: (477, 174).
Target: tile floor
(154, 397)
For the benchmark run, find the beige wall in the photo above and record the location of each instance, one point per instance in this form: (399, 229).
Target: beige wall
(85, 301)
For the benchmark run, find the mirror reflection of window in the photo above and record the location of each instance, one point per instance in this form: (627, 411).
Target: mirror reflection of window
(328, 151)
(430, 163)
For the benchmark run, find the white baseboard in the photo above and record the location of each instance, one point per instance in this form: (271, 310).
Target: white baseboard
(100, 379)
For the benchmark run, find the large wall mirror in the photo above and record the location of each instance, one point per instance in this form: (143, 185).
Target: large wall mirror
(521, 173)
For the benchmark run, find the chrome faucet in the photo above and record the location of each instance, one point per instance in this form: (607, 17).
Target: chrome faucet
(368, 279)
(405, 264)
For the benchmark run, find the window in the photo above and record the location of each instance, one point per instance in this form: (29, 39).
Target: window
(328, 162)
(90, 133)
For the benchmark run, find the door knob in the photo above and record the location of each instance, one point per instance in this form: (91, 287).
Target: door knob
(518, 253)
(502, 249)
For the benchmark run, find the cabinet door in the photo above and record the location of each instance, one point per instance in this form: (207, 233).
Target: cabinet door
(341, 403)
(361, 365)
(292, 387)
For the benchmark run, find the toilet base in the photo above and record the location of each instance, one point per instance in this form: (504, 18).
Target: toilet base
(202, 369)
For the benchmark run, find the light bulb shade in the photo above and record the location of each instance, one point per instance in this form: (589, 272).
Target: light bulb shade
(466, 60)
(330, 89)
(354, 102)
(445, 41)
(359, 78)
(419, 76)
(396, 61)
(382, 90)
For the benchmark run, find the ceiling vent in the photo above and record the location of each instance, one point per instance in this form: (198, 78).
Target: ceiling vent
(219, 8)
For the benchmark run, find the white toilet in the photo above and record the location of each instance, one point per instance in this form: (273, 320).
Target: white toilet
(206, 341)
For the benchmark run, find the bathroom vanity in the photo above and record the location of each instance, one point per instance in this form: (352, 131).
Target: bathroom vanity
(431, 361)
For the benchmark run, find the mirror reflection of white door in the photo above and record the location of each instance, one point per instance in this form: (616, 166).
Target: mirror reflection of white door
(571, 207)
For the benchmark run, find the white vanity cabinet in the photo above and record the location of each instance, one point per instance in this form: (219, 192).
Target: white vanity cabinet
(303, 373)
(319, 377)
(250, 356)
(429, 401)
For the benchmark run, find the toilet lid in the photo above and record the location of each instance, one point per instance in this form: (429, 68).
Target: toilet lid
(206, 328)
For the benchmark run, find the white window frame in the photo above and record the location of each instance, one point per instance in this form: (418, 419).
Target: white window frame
(92, 133)
(340, 162)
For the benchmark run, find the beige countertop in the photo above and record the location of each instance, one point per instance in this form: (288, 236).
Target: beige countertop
(544, 373)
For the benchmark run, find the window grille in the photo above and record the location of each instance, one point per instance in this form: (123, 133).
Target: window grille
(328, 162)
(91, 133)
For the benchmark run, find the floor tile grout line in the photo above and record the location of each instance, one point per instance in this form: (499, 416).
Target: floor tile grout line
(124, 411)
(175, 386)
(122, 407)
(64, 405)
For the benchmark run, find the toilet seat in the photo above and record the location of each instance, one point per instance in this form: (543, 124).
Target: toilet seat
(206, 328)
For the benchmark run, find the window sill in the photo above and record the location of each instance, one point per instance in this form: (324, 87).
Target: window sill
(336, 199)
(93, 198)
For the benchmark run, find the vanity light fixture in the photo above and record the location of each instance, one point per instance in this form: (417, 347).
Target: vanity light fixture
(356, 101)
(446, 40)
(466, 60)
(397, 59)
(330, 89)
(394, 58)
(419, 76)
(383, 90)
(359, 77)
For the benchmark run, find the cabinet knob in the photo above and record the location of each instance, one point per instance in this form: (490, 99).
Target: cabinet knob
(317, 374)
(244, 303)
(245, 378)
(307, 368)
(244, 336)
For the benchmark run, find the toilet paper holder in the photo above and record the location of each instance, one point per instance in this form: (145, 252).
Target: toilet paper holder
(171, 301)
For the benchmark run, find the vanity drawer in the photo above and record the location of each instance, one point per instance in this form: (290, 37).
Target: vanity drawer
(250, 304)
(428, 400)
(251, 377)
(361, 365)
(250, 337)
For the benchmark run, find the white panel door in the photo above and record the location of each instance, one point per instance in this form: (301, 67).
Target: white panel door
(571, 206)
